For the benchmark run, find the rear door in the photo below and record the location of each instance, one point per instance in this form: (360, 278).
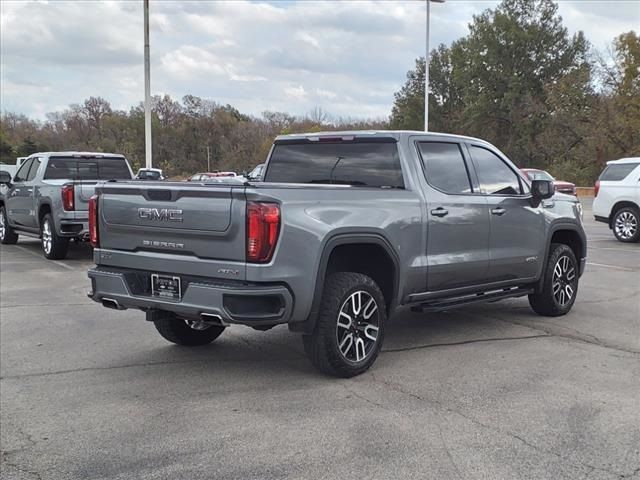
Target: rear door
(517, 240)
(458, 220)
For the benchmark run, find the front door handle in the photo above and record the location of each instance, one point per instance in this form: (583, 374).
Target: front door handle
(439, 212)
(498, 211)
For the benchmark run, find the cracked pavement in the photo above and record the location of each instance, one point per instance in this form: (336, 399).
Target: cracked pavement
(486, 392)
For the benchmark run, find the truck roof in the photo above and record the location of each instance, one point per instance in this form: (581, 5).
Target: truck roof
(397, 134)
(76, 153)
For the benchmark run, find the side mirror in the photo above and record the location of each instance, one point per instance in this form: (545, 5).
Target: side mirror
(5, 177)
(541, 190)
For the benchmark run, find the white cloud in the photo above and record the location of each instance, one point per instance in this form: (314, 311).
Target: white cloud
(347, 57)
(295, 91)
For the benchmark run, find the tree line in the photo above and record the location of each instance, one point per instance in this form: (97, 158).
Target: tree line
(518, 80)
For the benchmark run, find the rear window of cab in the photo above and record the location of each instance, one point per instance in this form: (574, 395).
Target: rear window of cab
(71, 168)
(356, 163)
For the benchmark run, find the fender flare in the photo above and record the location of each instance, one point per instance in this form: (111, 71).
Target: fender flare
(42, 202)
(552, 230)
(329, 246)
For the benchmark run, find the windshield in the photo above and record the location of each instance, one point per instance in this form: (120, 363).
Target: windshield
(149, 174)
(366, 164)
(89, 168)
(257, 172)
(539, 175)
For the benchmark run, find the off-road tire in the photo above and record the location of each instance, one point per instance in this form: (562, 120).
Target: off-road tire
(544, 302)
(322, 345)
(57, 250)
(177, 331)
(9, 236)
(633, 215)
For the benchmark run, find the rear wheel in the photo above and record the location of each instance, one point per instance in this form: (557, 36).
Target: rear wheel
(626, 224)
(7, 235)
(184, 332)
(349, 331)
(560, 283)
(53, 246)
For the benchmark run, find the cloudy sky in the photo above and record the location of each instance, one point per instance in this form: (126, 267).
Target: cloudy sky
(347, 57)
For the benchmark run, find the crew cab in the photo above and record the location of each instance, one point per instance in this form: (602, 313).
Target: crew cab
(344, 228)
(49, 194)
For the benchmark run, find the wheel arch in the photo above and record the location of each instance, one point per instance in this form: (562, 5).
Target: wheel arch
(346, 252)
(43, 209)
(620, 204)
(570, 235)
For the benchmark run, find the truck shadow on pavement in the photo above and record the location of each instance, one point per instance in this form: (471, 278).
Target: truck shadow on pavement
(275, 352)
(78, 251)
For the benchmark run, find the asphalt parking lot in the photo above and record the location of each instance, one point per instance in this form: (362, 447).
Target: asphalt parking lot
(486, 392)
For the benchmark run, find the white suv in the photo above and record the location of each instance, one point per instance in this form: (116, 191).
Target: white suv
(617, 198)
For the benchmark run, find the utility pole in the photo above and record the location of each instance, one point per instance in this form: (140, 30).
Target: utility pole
(208, 160)
(427, 60)
(147, 90)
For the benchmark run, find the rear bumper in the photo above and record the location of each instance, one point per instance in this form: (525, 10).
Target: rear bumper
(598, 218)
(73, 228)
(203, 298)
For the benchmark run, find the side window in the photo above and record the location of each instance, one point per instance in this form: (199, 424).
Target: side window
(495, 176)
(35, 165)
(23, 172)
(617, 172)
(444, 167)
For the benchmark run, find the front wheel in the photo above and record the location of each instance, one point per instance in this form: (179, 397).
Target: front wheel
(190, 333)
(349, 330)
(626, 225)
(7, 235)
(53, 246)
(560, 283)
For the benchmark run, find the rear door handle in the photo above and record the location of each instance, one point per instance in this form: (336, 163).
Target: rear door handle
(439, 212)
(498, 211)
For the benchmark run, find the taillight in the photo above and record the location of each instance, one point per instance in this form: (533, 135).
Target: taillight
(596, 189)
(68, 197)
(93, 221)
(263, 227)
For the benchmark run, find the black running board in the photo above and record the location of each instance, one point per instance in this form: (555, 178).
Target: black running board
(470, 299)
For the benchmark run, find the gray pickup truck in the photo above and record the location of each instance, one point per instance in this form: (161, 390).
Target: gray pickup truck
(344, 229)
(49, 195)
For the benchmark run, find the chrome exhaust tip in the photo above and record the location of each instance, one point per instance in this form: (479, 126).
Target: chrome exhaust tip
(213, 318)
(111, 303)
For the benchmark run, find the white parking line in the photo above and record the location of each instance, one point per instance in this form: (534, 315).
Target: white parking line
(616, 267)
(26, 250)
(614, 249)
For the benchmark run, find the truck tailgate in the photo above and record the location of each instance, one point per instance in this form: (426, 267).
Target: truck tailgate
(84, 189)
(203, 221)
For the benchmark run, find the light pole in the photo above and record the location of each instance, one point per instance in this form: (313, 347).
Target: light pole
(147, 90)
(427, 59)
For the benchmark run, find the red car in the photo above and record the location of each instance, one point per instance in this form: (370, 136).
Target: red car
(562, 187)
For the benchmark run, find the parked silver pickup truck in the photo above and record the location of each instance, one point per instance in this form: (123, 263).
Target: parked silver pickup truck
(49, 194)
(342, 230)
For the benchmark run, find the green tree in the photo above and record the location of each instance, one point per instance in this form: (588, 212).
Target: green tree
(516, 80)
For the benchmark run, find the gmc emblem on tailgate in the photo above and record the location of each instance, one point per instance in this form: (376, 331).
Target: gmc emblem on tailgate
(160, 214)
